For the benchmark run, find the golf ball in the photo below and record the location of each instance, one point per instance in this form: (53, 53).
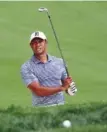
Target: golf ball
(67, 123)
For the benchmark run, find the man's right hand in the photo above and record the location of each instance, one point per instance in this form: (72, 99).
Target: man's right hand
(66, 83)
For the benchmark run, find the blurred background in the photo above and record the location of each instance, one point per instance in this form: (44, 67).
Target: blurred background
(81, 28)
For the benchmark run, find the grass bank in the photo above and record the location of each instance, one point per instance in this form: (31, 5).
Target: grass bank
(90, 117)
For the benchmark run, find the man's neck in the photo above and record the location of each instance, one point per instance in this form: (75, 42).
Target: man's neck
(43, 58)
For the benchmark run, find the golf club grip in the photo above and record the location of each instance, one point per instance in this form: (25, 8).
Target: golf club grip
(58, 44)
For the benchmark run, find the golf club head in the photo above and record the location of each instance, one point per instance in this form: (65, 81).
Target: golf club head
(43, 9)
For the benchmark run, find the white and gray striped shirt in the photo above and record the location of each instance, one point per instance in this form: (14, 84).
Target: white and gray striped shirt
(47, 74)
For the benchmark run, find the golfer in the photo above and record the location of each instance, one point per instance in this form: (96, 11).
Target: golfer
(44, 74)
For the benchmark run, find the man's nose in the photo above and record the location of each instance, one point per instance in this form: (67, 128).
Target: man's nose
(37, 44)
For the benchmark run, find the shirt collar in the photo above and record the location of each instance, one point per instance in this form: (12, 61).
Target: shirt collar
(33, 58)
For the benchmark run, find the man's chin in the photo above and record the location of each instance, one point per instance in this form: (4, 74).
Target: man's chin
(39, 53)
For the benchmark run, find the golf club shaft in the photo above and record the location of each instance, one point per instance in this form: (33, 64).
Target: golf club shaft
(58, 43)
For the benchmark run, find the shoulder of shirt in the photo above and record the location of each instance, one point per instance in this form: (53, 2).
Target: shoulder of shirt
(26, 64)
(56, 58)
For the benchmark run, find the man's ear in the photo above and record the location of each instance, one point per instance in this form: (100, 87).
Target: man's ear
(30, 45)
(46, 41)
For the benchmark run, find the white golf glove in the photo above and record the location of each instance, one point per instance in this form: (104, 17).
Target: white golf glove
(72, 89)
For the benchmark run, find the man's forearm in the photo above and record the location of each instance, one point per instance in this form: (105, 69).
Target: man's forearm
(46, 91)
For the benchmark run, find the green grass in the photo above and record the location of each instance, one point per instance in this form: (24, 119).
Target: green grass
(90, 117)
(82, 30)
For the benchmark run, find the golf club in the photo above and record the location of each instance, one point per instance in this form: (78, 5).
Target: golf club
(43, 9)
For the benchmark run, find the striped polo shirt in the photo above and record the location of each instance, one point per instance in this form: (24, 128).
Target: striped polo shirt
(48, 74)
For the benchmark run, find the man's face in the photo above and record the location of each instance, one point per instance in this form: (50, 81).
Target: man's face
(38, 46)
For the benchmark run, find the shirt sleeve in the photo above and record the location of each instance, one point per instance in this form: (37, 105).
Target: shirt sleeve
(64, 73)
(27, 75)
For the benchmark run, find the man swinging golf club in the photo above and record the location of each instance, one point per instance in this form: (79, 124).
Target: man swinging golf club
(45, 75)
